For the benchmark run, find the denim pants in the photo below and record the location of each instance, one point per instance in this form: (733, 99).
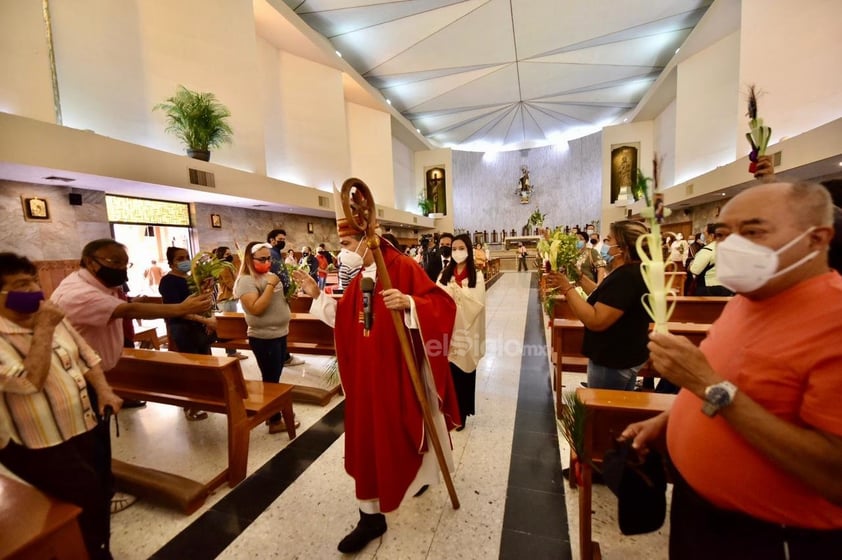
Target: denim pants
(270, 354)
(602, 377)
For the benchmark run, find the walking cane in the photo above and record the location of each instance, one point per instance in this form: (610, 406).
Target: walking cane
(359, 208)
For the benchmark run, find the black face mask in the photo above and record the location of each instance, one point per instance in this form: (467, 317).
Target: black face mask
(280, 246)
(112, 277)
(445, 251)
(229, 258)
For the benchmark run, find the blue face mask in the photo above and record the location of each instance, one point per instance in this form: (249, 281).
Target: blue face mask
(183, 266)
(604, 253)
(580, 244)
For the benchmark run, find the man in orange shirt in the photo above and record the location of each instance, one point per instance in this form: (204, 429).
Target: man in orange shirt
(756, 432)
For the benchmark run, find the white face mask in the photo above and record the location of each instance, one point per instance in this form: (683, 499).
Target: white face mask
(459, 256)
(350, 264)
(743, 266)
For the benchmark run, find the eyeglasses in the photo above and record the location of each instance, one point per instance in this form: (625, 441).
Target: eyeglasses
(262, 259)
(111, 263)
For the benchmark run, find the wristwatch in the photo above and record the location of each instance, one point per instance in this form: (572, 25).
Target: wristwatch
(718, 396)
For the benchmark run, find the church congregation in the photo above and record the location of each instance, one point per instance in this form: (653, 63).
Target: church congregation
(421, 280)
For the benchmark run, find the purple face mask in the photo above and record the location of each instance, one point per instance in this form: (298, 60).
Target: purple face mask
(23, 302)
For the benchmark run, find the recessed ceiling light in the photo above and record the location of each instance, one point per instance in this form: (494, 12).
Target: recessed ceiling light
(678, 49)
(339, 54)
(625, 120)
(418, 130)
(389, 101)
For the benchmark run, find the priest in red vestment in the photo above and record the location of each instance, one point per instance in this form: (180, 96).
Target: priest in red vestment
(386, 447)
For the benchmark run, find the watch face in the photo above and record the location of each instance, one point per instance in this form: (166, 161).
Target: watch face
(718, 396)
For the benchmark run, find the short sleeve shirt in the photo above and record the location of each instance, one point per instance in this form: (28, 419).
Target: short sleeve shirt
(623, 344)
(89, 305)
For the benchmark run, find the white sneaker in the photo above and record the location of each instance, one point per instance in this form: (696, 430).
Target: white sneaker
(294, 361)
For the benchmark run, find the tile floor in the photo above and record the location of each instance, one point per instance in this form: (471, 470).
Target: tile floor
(298, 502)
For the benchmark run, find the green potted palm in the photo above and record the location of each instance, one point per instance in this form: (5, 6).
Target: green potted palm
(198, 119)
(425, 205)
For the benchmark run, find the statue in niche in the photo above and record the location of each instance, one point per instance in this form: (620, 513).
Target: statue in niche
(436, 189)
(623, 171)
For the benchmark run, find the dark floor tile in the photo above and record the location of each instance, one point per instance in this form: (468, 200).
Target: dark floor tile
(205, 538)
(252, 497)
(538, 513)
(536, 444)
(535, 422)
(532, 473)
(289, 463)
(515, 545)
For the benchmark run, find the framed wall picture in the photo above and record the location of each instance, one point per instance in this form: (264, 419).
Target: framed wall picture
(309, 227)
(216, 221)
(35, 209)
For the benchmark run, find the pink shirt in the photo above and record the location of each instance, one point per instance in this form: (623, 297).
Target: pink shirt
(89, 306)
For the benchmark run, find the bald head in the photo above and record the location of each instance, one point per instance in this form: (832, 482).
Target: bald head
(804, 204)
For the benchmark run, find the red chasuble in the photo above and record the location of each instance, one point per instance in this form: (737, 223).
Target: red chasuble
(384, 427)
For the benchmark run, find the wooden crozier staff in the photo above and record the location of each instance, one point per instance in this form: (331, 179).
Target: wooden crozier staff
(360, 211)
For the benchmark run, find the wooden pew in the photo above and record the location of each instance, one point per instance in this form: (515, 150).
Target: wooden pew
(696, 309)
(568, 335)
(608, 413)
(210, 383)
(678, 281)
(307, 334)
(561, 310)
(34, 525)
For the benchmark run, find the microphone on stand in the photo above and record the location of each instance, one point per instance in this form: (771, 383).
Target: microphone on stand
(368, 303)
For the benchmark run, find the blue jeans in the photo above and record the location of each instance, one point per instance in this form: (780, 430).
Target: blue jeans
(601, 377)
(270, 354)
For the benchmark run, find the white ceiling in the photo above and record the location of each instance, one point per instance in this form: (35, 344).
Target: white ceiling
(506, 74)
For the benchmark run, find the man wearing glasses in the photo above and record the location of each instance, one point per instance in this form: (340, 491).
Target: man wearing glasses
(704, 265)
(94, 302)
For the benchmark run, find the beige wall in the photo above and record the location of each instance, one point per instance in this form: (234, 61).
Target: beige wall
(310, 129)
(706, 95)
(370, 147)
(791, 51)
(116, 60)
(25, 88)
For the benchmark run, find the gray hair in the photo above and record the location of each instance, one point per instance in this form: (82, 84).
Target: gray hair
(812, 203)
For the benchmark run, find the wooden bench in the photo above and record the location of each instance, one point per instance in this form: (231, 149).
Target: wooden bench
(148, 338)
(608, 414)
(210, 383)
(307, 334)
(696, 309)
(566, 351)
(34, 525)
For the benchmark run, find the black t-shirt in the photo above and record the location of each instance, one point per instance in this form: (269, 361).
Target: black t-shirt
(173, 289)
(623, 344)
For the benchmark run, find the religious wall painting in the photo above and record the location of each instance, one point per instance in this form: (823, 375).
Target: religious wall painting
(436, 191)
(35, 209)
(623, 171)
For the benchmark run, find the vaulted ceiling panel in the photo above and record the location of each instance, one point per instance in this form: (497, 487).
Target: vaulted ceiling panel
(511, 73)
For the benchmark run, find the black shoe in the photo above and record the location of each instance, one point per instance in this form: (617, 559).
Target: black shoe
(131, 403)
(371, 526)
(584, 384)
(421, 491)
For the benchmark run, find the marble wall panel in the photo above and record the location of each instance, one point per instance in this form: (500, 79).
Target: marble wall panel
(567, 186)
(66, 232)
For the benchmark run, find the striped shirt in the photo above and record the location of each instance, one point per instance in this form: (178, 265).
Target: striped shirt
(61, 409)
